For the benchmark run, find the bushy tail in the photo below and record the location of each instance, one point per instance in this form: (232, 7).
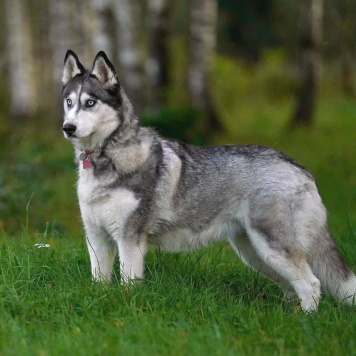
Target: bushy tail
(330, 268)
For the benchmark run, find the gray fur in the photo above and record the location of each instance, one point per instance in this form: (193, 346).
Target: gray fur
(142, 188)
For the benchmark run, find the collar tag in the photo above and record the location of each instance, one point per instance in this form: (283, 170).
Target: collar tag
(84, 157)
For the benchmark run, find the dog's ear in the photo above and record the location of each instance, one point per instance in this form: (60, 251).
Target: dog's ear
(72, 67)
(104, 71)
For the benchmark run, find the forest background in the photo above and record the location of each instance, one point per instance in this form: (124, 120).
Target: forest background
(202, 71)
(271, 72)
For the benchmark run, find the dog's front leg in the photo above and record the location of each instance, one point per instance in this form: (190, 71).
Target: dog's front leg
(102, 253)
(132, 253)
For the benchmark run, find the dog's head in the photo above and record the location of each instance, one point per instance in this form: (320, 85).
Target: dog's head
(93, 100)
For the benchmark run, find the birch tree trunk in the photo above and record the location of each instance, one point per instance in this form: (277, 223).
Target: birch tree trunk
(159, 18)
(80, 36)
(311, 15)
(100, 26)
(59, 37)
(127, 14)
(20, 61)
(203, 23)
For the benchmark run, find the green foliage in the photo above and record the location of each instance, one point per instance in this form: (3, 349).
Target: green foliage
(34, 170)
(176, 123)
(247, 24)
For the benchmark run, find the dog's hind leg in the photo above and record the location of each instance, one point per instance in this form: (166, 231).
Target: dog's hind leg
(244, 249)
(291, 265)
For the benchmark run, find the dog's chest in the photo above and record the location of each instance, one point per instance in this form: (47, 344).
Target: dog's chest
(105, 207)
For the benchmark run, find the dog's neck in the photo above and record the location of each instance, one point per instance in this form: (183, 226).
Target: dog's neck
(123, 152)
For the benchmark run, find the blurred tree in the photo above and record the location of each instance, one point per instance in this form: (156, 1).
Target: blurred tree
(59, 36)
(347, 58)
(20, 61)
(135, 32)
(310, 32)
(101, 37)
(202, 43)
(128, 21)
(346, 45)
(79, 21)
(159, 23)
(247, 26)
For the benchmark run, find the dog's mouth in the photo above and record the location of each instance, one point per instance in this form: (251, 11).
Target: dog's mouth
(68, 136)
(77, 135)
(71, 135)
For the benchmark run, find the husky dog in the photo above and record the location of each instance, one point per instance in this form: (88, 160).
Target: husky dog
(136, 188)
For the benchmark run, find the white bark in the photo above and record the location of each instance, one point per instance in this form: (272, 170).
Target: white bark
(69, 29)
(82, 22)
(99, 26)
(79, 17)
(20, 60)
(59, 36)
(129, 54)
(203, 22)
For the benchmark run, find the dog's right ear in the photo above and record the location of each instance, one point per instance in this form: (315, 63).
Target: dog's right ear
(104, 71)
(72, 67)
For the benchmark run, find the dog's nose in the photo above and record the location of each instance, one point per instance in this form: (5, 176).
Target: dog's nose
(69, 129)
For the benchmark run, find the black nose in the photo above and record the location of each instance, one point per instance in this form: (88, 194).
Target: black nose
(69, 129)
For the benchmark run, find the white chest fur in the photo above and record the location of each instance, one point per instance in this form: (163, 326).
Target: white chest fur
(106, 208)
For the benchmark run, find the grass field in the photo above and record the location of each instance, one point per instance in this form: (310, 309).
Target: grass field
(203, 302)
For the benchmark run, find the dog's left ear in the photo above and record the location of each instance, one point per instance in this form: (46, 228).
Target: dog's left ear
(72, 67)
(104, 71)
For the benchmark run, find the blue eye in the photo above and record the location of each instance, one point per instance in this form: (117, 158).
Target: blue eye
(90, 103)
(69, 102)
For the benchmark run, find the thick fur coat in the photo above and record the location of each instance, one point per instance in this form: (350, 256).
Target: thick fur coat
(136, 188)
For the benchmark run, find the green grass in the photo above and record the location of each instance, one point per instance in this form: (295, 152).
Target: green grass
(203, 302)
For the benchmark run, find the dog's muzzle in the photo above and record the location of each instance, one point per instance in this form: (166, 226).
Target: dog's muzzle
(69, 129)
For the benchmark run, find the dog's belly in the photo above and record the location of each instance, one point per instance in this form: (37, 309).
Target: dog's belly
(172, 232)
(184, 239)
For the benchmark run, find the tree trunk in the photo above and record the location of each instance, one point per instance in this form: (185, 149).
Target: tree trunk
(159, 18)
(20, 61)
(310, 30)
(128, 22)
(346, 71)
(100, 23)
(203, 23)
(346, 56)
(79, 15)
(59, 37)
